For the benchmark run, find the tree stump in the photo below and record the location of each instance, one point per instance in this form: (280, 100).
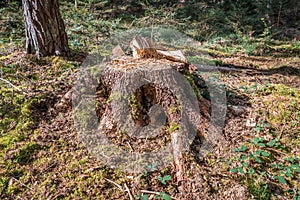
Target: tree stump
(147, 81)
(145, 108)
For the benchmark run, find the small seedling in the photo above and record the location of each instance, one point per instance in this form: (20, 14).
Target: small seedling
(164, 179)
(142, 197)
(163, 196)
(150, 168)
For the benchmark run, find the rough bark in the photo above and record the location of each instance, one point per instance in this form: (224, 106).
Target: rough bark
(45, 29)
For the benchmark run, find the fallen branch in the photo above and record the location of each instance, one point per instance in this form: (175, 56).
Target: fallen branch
(93, 169)
(127, 189)
(153, 192)
(21, 183)
(228, 69)
(116, 184)
(12, 85)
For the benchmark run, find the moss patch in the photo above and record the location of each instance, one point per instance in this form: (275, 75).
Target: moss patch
(282, 105)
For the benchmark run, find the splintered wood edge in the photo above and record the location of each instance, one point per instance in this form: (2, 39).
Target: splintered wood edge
(129, 63)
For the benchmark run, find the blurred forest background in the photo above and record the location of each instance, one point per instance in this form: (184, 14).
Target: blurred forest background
(224, 21)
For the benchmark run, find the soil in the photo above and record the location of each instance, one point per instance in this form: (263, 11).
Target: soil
(60, 166)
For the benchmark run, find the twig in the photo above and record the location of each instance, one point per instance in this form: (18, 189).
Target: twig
(116, 184)
(153, 192)
(150, 192)
(12, 85)
(21, 183)
(127, 189)
(281, 132)
(130, 146)
(275, 150)
(93, 169)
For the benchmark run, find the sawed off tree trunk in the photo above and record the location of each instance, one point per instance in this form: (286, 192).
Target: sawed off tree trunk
(45, 29)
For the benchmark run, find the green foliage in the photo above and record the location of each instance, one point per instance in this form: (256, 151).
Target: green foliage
(25, 156)
(258, 160)
(164, 179)
(238, 22)
(173, 127)
(259, 190)
(151, 167)
(142, 197)
(279, 90)
(163, 196)
(297, 195)
(281, 106)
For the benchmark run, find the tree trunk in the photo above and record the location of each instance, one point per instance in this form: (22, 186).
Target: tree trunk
(45, 29)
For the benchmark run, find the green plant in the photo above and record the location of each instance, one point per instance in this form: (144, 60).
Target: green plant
(173, 127)
(258, 160)
(149, 168)
(261, 127)
(260, 190)
(297, 196)
(142, 197)
(266, 34)
(163, 196)
(164, 179)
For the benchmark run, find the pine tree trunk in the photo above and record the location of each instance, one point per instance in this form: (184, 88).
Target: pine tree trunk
(45, 29)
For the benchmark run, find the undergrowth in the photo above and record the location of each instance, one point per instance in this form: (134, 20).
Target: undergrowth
(270, 162)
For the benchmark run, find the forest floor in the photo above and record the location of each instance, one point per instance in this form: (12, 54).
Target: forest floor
(257, 156)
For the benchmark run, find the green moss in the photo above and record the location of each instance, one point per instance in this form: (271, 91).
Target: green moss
(201, 60)
(279, 89)
(190, 79)
(3, 184)
(6, 140)
(259, 190)
(18, 120)
(282, 103)
(25, 156)
(136, 107)
(173, 127)
(96, 71)
(116, 96)
(8, 69)
(12, 187)
(175, 109)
